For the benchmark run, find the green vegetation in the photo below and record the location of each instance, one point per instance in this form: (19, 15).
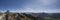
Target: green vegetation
(0, 14)
(48, 18)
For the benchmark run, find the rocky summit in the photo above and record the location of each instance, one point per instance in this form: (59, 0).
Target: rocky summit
(17, 16)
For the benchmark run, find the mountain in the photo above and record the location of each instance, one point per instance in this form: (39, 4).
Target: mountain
(55, 15)
(39, 14)
(42, 15)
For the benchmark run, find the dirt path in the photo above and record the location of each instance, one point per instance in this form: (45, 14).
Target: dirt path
(1, 17)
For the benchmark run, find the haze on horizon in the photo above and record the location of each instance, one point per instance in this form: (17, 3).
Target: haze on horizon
(48, 6)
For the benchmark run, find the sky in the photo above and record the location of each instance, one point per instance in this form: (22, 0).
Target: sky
(30, 5)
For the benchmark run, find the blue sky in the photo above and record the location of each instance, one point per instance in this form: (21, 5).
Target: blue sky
(30, 5)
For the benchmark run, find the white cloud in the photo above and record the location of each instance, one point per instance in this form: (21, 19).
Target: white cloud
(38, 6)
(42, 5)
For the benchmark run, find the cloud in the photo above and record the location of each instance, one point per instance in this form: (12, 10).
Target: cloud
(37, 6)
(35, 10)
(42, 5)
